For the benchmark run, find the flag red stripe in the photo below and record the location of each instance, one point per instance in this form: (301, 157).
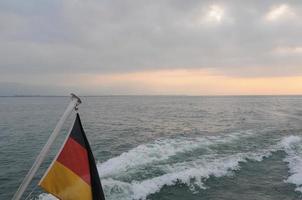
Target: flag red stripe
(75, 157)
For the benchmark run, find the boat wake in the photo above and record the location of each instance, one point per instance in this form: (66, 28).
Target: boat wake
(146, 169)
(293, 149)
(192, 174)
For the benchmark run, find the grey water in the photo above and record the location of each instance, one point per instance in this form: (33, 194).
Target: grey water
(165, 147)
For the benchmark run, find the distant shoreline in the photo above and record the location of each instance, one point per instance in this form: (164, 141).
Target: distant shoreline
(118, 95)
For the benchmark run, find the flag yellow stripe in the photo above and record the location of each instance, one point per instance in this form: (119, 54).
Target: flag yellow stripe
(65, 184)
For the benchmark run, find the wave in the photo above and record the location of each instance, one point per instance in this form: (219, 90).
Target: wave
(292, 146)
(161, 150)
(192, 174)
(189, 173)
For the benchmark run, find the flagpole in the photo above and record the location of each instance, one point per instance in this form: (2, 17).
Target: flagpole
(75, 101)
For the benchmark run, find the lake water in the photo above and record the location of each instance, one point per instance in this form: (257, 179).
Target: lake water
(165, 147)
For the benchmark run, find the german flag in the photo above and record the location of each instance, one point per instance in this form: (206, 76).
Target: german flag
(73, 174)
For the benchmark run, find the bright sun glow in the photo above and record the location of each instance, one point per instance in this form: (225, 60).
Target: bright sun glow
(212, 15)
(215, 13)
(194, 82)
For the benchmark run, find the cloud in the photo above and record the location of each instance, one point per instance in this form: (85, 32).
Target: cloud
(72, 37)
(279, 12)
(288, 50)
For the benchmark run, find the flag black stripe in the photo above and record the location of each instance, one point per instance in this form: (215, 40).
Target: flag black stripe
(76, 132)
(96, 186)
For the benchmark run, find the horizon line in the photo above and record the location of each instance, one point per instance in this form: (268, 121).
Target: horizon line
(163, 95)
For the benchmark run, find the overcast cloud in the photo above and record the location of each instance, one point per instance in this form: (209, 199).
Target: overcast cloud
(236, 38)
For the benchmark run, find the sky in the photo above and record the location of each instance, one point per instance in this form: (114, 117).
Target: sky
(156, 47)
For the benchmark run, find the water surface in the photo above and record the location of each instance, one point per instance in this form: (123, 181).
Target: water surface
(166, 147)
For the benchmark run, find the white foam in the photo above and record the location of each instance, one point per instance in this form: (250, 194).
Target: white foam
(193, 174)
(46, 197)
(292, 147)
(289, 142)
(160, 150)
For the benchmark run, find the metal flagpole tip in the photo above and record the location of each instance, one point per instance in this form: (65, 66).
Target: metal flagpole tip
(73, 96)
